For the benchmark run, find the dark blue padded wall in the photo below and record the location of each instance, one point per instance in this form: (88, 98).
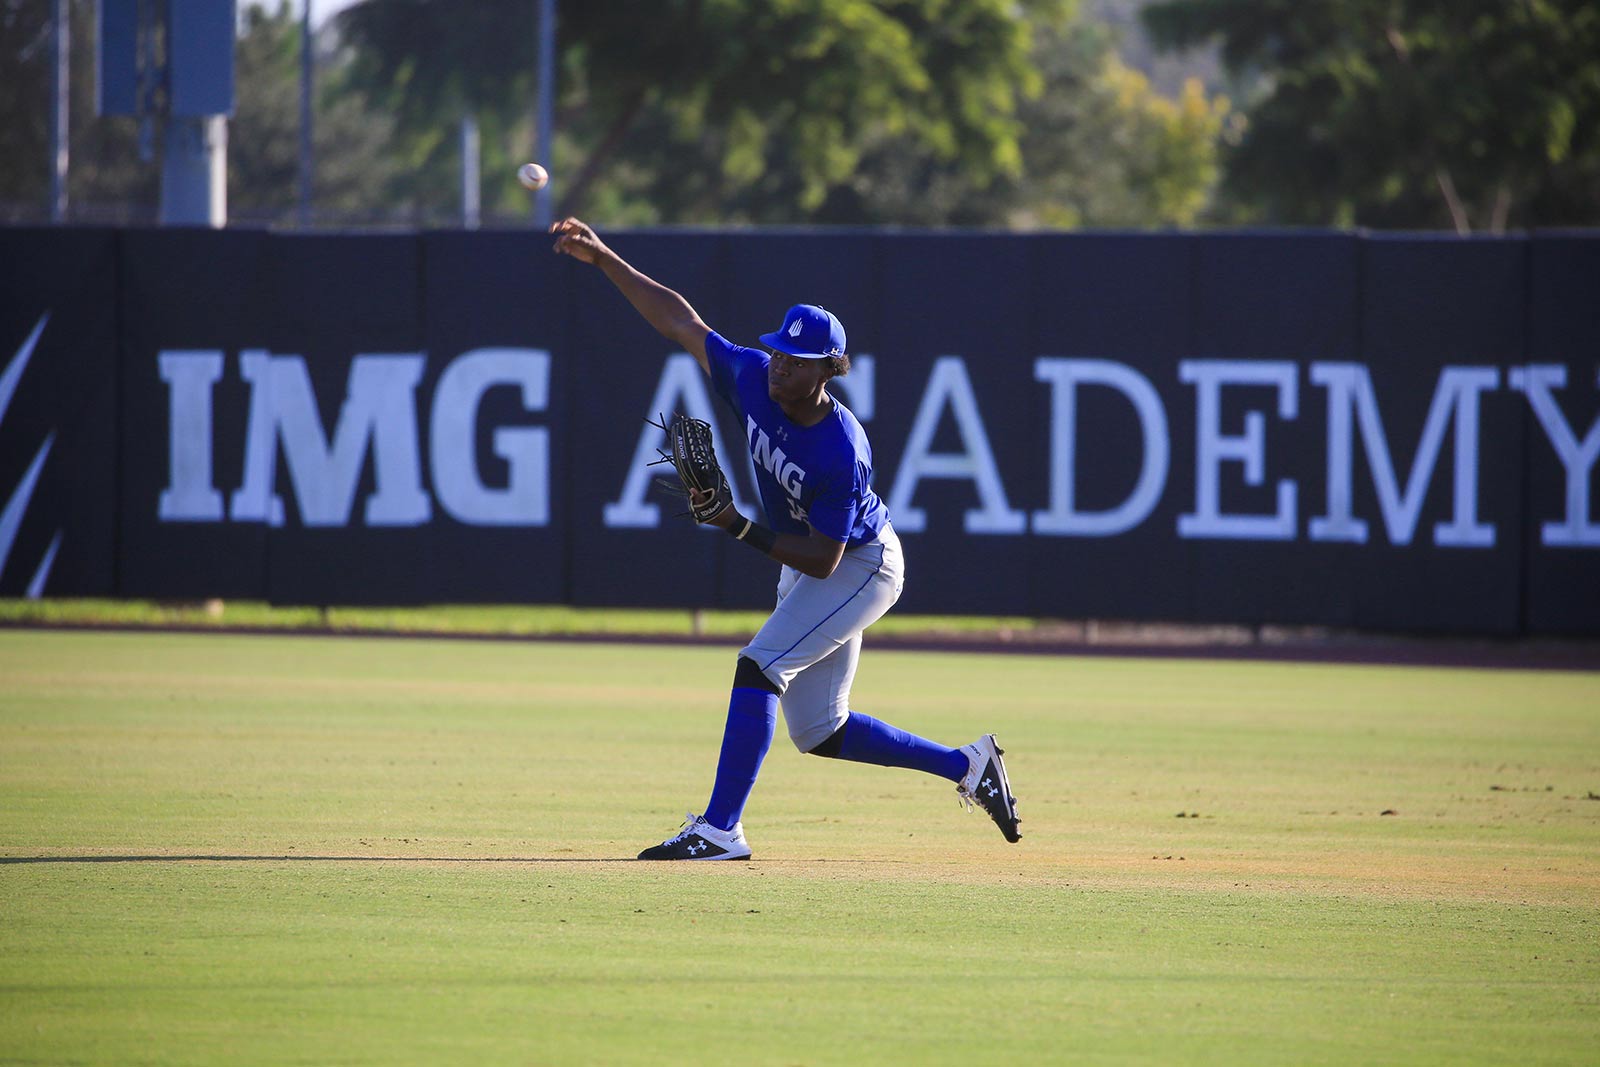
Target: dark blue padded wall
(58, 411)
(1389, 432)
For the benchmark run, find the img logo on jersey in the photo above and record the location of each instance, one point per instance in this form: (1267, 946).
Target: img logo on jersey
(788, 473)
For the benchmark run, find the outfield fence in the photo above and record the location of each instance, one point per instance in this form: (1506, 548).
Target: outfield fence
(1385, 432)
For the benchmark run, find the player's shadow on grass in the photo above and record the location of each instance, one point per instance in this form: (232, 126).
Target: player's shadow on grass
(311, 859)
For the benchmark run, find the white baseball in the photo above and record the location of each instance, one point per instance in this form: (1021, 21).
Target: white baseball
(532, 175)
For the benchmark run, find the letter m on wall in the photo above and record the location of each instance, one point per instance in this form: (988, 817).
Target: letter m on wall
(379, 411)
(1352, 401)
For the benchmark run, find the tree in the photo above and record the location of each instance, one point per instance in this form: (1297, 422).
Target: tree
(115, 169)
(110, 175)
(1409, 113)
(710, 112)
(354, 165)
(26, 66)
(784, 93)
(1099, 148)
(827, 111)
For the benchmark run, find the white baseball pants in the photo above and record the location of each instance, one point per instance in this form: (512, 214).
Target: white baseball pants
(810, 645)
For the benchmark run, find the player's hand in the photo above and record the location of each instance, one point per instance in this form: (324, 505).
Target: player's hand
(724, 518)
(575, 238)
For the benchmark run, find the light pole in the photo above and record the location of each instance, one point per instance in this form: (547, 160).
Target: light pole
(60, 143)
(306, 59)
(545, 110)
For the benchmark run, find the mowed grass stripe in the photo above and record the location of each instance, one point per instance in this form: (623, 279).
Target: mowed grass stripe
(485, 797)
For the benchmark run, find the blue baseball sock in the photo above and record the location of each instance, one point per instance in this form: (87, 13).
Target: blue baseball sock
(752, 716)
(869, 740)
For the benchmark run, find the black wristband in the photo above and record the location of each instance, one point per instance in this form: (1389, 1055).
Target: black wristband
(751, 533)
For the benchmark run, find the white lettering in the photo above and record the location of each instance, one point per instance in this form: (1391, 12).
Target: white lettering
(760, 445)
(525, 501)
(762, 454)
(1577, 457)
(1213, 448)
(378, 408)
(682, 387)
(1064, 376)
(190, 495)
(378, 417)
(949, 385)
(1349, 388)
(255, 500)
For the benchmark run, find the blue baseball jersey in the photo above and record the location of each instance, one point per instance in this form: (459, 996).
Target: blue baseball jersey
(809, 477)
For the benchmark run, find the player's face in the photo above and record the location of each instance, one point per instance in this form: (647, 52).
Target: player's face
(791, 379)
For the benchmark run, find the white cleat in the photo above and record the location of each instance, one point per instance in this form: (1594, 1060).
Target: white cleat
(987, 785)
(699, 840)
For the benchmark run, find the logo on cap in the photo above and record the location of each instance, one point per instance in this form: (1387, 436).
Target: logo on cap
(808, 332)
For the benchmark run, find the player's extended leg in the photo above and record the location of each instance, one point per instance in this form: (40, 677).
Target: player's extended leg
(810, 647)
(817, 707)
(977, 769)
(863, 739)
(746, 737)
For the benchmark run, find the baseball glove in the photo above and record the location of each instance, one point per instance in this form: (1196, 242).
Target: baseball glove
(691, 454)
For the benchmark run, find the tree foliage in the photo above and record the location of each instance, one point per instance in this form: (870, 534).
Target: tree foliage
(26, 64)
(914, 112)
(353, 165)
(109, 175)
(786, 93)
(1099, 148)
(1473, 114)
(114, 172)
(1106, 150)
(709, 112)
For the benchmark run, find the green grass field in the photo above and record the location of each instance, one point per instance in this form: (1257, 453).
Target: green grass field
(224, 849)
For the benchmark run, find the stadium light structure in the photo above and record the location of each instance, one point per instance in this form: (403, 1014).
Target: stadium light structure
(169, 63)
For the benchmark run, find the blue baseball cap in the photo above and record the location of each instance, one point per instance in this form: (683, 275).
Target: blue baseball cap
(809, 332)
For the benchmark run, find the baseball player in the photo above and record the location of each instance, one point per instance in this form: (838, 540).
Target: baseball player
(842, 565)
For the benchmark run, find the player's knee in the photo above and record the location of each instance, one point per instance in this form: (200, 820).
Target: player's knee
(829, 746)
(746, 675)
